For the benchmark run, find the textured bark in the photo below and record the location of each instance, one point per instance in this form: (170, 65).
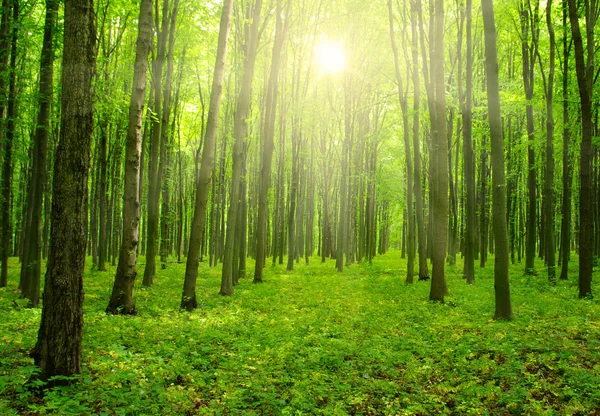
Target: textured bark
(58, 349)
(585, 74)
(33, 258)
(6, 160)
(501, 284)
(440, 151)
(121, 300)
(267, 149)
(188, 298)
(240, 133)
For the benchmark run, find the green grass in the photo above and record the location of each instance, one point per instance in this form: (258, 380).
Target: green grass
(315, 341)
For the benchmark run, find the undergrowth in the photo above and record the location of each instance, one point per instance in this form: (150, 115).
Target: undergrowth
(314, 341)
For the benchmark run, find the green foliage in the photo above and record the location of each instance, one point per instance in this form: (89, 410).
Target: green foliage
(317, 342)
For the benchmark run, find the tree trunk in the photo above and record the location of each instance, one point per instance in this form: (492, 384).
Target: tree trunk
(154, 180)
(188, 299)
(240, 133)
(565, 232)
(418, 188)
(58, 348)
(500, 231)
(121, 300)
(440, 151)
(410, 237)
(267, 149)
(7, 159)
(585, 75)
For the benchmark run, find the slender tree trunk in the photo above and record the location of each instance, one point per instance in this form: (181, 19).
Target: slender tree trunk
(121, 301)
(188, 299)
(154, 180)
(565, 232)
(418, 188)
(549, 165)
(38, 180)
(7, 159)
(410, 237)
(240, 133)
(469, 157)
(58, 348)
(501, 284)
(267, 149)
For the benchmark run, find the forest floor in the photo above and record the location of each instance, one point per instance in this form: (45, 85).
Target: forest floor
(314, 341)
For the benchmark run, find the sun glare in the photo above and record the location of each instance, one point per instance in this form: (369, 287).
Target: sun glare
(330, 57)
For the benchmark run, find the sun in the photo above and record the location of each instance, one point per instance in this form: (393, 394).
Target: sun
(330, 56)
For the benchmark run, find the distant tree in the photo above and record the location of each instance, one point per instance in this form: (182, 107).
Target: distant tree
(58, 348)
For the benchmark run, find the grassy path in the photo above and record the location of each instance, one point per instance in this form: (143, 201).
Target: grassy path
(314, 341)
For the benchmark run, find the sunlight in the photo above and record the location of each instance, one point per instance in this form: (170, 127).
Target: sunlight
(330, 56)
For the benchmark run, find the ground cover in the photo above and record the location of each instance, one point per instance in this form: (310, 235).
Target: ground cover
(314, 341)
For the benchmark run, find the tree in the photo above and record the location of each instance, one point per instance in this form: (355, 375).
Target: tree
(121, 300)
(584, 69)
(32, 258)
(58, 348)
(188, 298)
(240, 133)
(469, 157)
(267, 148)
(439, 288)
(409, 166)
(501, 284)
(7, 150)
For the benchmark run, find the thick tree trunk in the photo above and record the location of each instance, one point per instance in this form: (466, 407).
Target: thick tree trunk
(440, 151)
(188, 299)
(121, 301)
(585, 74)
(58, 349)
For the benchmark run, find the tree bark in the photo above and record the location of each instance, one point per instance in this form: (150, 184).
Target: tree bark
(58, 348)
(267, 148)
(6, 160)
(188, 298)
(121, 300)
(585, 74)
(240, 133)
(440, 151)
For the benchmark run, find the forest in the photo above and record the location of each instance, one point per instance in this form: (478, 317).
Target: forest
(299, 207)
